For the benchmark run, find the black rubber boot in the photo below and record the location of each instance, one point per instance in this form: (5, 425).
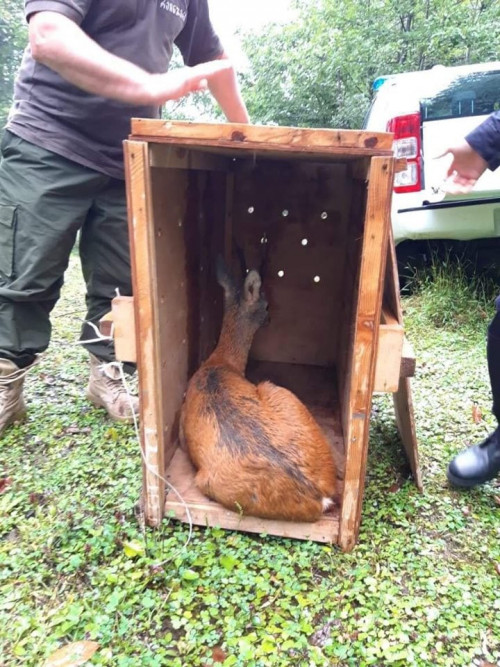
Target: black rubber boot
(477, 464)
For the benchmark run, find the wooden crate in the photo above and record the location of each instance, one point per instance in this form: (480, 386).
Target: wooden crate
(315, 205)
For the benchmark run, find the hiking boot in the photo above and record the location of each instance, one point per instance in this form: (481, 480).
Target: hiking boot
(106, 390)
(12, 406)
(477, 464)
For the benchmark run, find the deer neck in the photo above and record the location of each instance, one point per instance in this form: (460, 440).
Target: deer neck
(233, 346)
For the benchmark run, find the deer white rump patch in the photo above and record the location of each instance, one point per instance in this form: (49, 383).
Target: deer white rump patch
(327, 503)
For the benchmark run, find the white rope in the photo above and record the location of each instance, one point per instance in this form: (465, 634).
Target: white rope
(18, 374)
(119, 365)
(100, 337)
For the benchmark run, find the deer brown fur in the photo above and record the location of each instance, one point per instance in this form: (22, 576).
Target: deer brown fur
(257, 448)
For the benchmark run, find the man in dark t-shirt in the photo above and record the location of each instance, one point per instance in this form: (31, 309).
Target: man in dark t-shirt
(90, 67)
(480, 150)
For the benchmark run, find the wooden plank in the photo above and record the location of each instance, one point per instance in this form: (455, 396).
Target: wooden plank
(205, 512)
(395, 358)
(122, 310)
(408, 360)
(366, 330)
(145, 286)
(254, 137)
(403, 406)
(392, 300)
(176, 207)
(389, 353)
(106, 324)
(403, 403)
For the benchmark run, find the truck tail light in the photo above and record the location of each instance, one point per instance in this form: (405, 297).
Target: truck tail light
(407, 144)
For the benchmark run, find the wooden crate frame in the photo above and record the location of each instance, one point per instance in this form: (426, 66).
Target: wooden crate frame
(374, 353)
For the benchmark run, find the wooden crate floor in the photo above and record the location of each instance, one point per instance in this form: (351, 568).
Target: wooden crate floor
(205, 512)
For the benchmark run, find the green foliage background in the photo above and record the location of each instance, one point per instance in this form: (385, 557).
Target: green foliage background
(318, 70)
(13, 37)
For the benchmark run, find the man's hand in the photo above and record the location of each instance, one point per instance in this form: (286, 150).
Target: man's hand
(465, 168)
(180, 82)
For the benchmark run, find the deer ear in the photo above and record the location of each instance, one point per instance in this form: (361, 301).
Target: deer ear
(225, 279)
(251, 288)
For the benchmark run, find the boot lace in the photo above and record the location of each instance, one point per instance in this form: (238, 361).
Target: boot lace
(15, 376)
(114, 383)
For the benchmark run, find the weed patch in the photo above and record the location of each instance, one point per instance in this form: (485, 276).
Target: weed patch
(449, 294)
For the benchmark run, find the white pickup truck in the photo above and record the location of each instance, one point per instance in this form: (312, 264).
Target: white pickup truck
(428, 111)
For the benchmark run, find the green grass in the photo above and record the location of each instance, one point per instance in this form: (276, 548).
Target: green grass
(450, 293)
(421, 587)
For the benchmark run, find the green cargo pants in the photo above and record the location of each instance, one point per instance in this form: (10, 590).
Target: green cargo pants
(44, 201)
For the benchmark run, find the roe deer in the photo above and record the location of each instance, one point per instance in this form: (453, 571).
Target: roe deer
(257, 448)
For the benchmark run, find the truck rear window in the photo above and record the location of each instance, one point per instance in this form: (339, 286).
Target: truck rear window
(474, 94)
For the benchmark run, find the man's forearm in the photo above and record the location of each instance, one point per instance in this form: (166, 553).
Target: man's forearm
(225, 89)
(60, 44)
(485, 140)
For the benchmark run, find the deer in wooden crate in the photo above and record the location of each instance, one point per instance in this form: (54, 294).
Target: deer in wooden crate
(257, 448)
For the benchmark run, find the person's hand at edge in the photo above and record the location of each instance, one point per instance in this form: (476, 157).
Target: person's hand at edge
(464, 170)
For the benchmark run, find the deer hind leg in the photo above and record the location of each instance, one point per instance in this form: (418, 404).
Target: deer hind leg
(287, 407)
(282, 503)
(202, 481)
(221, 493)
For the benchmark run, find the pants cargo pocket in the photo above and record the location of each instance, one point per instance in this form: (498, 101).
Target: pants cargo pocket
(7, 233)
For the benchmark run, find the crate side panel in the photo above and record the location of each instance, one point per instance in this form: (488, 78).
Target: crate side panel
(143, 261)
(188, 228)
(367, 320)
(172, 203)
